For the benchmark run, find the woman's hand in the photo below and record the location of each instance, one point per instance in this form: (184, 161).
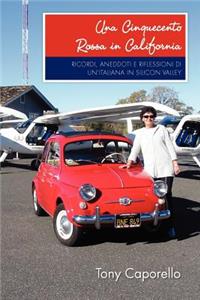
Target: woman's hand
(129, 163)
(176, 167)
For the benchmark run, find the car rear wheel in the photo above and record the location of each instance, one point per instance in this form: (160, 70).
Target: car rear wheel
(35, 163)
(39, 211)
(66, 232)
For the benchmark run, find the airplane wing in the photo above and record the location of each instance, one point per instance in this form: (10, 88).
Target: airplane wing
(13, 121)
(48, 119)
(6, 112)
(107, 113)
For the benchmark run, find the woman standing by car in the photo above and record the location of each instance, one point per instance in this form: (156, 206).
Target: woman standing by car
(159, 156)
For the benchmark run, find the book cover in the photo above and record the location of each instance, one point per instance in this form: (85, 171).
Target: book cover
(80, 55)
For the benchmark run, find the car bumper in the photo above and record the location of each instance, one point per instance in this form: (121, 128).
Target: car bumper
(99, 220)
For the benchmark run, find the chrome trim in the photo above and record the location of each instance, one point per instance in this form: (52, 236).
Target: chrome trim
(155, 215)
(99, 220)
(117, 201)
(125, 201)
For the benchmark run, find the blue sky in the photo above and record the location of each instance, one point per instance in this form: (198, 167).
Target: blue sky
(75, 96)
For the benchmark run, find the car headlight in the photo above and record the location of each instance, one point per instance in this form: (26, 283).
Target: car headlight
(160, 188)
(87, 192)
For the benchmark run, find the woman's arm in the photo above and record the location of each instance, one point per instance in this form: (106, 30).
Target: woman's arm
(172, 151)
(134, 152)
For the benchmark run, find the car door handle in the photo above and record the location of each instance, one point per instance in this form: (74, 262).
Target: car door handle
(57, 177)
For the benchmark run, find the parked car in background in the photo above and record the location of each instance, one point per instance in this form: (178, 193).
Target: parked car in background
(83, 182)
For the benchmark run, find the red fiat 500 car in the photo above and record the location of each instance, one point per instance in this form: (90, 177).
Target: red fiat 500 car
(83, 181)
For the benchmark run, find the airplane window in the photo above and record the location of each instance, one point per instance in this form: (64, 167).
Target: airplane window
(189, 136)
(21, 127)
(40, 133)
(46, 132)
(36, 134)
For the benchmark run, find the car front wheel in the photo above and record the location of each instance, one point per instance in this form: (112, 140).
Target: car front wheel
(66, 232)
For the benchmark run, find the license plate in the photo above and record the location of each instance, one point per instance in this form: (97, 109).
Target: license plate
(127, 221)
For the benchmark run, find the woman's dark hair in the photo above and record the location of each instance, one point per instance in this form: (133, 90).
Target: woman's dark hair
(148, 109)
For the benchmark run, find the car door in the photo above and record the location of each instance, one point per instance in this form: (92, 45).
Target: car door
(51, 176)
(41, 175)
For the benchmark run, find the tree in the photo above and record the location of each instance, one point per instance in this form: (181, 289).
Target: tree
(106, 126)
(138, 96)
(164, 95)
(184, 109)
(160, 94)
(169, 97)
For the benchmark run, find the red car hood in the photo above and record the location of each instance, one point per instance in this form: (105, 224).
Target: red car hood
(106, 176)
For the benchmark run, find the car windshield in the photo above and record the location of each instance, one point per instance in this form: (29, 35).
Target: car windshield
(96, 151)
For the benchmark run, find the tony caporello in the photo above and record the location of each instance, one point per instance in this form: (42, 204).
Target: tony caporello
(133, 274)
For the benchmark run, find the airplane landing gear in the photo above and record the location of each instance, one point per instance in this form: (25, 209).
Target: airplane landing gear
(3, 156)
(197, 161)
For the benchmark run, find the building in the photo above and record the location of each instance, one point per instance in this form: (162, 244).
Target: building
(27, 99)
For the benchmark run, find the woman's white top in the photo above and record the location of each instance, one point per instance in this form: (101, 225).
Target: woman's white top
(157, 150)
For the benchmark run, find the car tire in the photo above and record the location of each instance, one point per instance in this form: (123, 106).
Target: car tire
(39, 211)
(35, 163)
(66, 232)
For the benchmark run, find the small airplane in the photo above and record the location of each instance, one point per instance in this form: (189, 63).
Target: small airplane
(10, 117)
(30, 136)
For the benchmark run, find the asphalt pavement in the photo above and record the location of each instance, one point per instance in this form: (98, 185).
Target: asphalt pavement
(110, 264)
